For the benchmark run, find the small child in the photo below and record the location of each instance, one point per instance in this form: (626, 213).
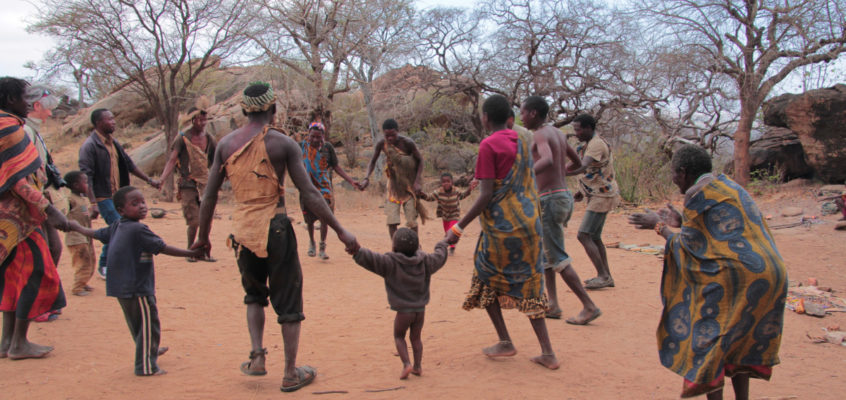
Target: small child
(407, 272)
(80, 246)
(131, 277)
(448, 202)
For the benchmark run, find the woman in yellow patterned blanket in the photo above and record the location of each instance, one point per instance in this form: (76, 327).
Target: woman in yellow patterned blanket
(508, 271)
(724, 283)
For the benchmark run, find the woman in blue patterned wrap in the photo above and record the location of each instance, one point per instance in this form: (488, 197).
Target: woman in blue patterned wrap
(724, 282)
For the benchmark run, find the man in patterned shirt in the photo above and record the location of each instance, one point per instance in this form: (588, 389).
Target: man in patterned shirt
(320, 160)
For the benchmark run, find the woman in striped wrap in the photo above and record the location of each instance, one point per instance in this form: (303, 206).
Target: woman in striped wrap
(29, 281)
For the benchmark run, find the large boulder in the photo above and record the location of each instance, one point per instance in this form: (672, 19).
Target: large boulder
(780, 151)
(128, 106)
(818, 117)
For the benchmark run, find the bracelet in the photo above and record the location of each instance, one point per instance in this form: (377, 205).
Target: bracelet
(457, 230)
(660, 227)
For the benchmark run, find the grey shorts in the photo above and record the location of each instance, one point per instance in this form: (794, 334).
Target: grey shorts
(556, 209)
(392, 212)
(592, 224)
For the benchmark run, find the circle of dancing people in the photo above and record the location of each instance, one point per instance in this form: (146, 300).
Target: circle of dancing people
(723, 260)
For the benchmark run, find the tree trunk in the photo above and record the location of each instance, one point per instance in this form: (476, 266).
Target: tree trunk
(171, 128)
(741, 142)
(367, 91)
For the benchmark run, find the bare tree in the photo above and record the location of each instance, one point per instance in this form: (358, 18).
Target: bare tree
(755, 43)
(388, 35)
(159, 47)
(314, 38)
(67, 59)
(450, 40)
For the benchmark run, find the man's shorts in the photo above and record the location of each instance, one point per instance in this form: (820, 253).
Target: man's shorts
(278, 277)
(556, 209)
(392, 211)
(309, 216)
(190, 200)
(592, 224)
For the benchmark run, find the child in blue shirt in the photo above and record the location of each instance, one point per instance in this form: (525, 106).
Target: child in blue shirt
(131, 278)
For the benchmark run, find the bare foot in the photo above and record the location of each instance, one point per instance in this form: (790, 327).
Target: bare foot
(28, 350)
(585, 317)
(553, 312)
(417, 371)
(547, 360)
(406, 369)
(162, 350)
(502, 349)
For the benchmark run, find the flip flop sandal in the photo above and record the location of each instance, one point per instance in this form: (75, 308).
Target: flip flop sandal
(305, 375)
(245, 366)
(311, 251)
(599, 284)
(553, 315)
(591, 280)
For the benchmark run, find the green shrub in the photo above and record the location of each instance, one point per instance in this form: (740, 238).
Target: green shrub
(642, 174)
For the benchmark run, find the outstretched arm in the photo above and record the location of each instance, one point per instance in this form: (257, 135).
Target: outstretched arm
(312, 198)
(379, 264)
(152, 182)
(485, 195)
(209, 202)
(377, 150)
(177, 252)
(76, 227)
(418, 180)
(344, 175)
(171, 161)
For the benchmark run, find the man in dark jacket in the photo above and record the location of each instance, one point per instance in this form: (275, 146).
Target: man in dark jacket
(107, 166)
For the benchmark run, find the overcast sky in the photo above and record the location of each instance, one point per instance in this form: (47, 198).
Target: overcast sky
(19, 47)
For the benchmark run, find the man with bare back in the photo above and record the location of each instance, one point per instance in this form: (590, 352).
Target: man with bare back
(263, 237)
(550, 151)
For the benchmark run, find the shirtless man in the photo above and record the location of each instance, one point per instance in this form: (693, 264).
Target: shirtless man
(192, 153)
(404, 169)
(263, 237)
(550, 152)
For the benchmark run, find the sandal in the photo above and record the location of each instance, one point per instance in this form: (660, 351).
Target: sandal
(311, 251)
(323, 255)
(245, 366)
(305, 375)
(599, 284)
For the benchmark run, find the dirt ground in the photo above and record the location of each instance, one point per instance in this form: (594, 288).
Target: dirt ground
(347, 334)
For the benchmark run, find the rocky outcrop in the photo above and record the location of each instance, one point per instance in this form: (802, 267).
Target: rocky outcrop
(818, 118)
(779, 151)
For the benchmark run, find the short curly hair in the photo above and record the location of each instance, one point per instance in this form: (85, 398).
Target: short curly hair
(406, 242)
(693, 159)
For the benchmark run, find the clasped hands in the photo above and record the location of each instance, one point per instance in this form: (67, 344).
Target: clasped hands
(648, 219)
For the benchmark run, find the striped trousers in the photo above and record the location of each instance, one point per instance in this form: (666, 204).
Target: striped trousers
(142, 316)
